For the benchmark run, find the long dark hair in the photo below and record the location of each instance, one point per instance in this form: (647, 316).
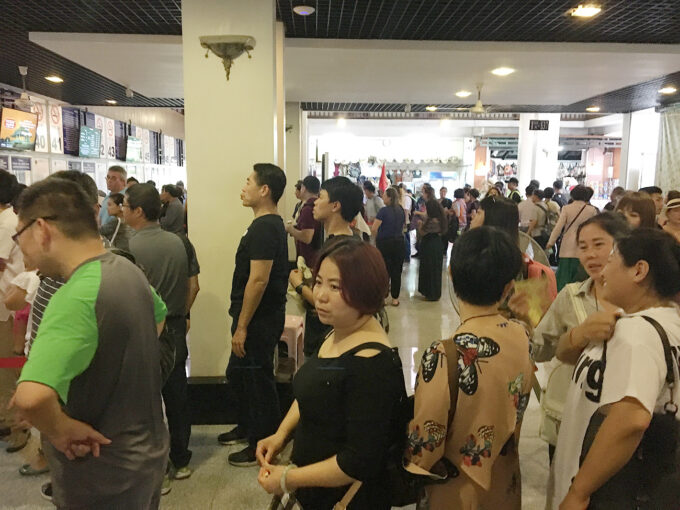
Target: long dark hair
(394, 198)
(501, 213)
(435, 210)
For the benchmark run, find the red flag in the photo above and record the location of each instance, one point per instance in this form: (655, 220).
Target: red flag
(382, 185)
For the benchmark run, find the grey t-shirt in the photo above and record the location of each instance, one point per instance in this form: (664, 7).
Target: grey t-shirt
(163, 258)
(173, 221)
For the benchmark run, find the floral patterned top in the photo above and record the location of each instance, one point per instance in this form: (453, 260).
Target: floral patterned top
(494, 380)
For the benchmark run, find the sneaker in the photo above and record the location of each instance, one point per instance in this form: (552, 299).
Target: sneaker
(183, 473)
(46, 491)
(244, 458)
(167, 485)
(234, 436)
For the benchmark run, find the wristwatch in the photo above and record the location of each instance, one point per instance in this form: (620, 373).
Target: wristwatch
(298, 289)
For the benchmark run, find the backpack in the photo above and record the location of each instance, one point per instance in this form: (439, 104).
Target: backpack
(405, 487)
(452, 230)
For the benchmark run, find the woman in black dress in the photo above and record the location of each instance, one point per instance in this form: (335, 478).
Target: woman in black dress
(431, 254)
(347, 401)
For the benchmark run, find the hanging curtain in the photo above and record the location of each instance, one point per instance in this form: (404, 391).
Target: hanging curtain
(668, 156)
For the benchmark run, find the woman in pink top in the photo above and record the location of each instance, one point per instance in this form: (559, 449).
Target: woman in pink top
(571, 217)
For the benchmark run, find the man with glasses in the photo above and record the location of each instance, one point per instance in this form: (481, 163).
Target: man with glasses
(115, 183)
(92, 382)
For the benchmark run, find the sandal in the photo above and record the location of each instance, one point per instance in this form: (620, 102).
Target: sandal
(18, 447)
(28, 470)
(395, 302)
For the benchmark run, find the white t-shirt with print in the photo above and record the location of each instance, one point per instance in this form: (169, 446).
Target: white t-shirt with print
(11, 254)
(635, 367)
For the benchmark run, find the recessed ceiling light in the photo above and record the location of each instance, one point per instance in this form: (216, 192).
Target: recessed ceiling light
(586, 11)
(431, 108)
(54, 79)
(342, 122)
(112, 101)
(463, 93)
(668, 90)
(503, 71)
(303, 10)
(593, 109)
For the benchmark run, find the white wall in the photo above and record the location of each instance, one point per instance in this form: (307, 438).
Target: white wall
(644, 142)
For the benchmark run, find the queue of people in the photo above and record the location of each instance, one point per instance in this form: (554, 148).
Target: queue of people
(108, 392)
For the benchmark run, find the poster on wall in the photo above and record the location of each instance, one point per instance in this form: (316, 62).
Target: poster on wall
(56, 134)
(17, 129)
(41, 141)
(153, 147)
(110, 139)
(169, 156)
(21, 164)
(145, 146)
(90, 169)
(99, 123)
(4, 163)
(121, 135)
(40, 169)
(70, 118)
(75, 165)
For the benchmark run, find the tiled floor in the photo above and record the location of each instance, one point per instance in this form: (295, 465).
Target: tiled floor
(216, 485)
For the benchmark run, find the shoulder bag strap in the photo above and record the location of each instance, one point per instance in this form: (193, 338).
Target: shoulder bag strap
(670, 377)
(368, 345)
(113, 238)
(574, 220)
(576, 302)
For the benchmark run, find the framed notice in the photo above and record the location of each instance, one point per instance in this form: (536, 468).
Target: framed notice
(75, 165)
(21, 164)
(41, 139)
(56, 129)
(146, 154)
(538, 125)
(4, 163)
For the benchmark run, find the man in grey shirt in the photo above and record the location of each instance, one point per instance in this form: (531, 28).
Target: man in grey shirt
(173, 219)
(163, 257)
(373, 202)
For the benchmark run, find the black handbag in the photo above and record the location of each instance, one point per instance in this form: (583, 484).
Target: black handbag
(651, 478)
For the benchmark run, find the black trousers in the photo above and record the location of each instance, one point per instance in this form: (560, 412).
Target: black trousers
(175, 394)
(252, 377)
(392, 251)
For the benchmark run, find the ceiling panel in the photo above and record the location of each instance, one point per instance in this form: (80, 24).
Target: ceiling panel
(626, 21)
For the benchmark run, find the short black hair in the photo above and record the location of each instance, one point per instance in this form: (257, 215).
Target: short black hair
(651, 190)
(612, 223)
(83, 180)
(65, 202)
(538, 193)
(172, 190)
(529, 190)
(145, 196)
(661, 252)
(558, 184)
(580, 192)
(298, 185)
(548, 193)
(341, 189)
(368, 186)
(485, 260)
(459, 193)
(153, 183)
(117, 198)
(271, 176)
(474, 193)
(501, 213)
(513, 180)
(132, 179)
(8, 187)
(534, 183)
(591, 192)
(312, 184)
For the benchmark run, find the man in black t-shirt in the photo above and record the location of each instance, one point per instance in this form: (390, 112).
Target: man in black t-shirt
(258, 311)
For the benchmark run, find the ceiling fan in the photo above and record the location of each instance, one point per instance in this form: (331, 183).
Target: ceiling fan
(478, 107)
(24, 102)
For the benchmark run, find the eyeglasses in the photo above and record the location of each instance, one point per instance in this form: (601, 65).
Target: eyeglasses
(28, 225)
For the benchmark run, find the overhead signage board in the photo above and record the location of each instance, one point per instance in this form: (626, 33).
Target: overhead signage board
(17, 129)
(56, 129)
(538, 125)
(110, 139)
(134, 150)
(41, 140)
(90, 142)
(70, 118)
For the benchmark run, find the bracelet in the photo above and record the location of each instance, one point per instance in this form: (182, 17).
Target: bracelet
(283, 478)
(298, 289)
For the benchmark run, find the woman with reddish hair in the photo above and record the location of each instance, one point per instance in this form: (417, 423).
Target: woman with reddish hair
(348, 399)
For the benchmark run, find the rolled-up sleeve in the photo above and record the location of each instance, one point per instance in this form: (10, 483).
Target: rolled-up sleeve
(552, 326)
(370, 407)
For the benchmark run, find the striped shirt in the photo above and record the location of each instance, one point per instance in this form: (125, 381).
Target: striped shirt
(48, 286)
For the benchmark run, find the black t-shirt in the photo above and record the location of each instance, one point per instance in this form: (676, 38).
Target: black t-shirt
(265, 239)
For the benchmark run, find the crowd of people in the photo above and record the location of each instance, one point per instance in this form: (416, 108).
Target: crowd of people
(108, 391)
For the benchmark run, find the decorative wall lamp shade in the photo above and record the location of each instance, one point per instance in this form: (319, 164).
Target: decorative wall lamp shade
(228, 47)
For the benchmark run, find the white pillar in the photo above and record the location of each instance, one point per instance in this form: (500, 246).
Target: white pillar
(625, 149)
(230, 125)
(537, 151)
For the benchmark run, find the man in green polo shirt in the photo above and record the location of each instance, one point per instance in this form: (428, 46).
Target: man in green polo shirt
(92, 383)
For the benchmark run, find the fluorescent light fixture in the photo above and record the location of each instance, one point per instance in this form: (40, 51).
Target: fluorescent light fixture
(586, 11)
(303, 10)
(593, 109)
(463, 93)
(342, 122)
(668, 90)
(431, 108)
(54, 78)
(503, 71)
(112, 101)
